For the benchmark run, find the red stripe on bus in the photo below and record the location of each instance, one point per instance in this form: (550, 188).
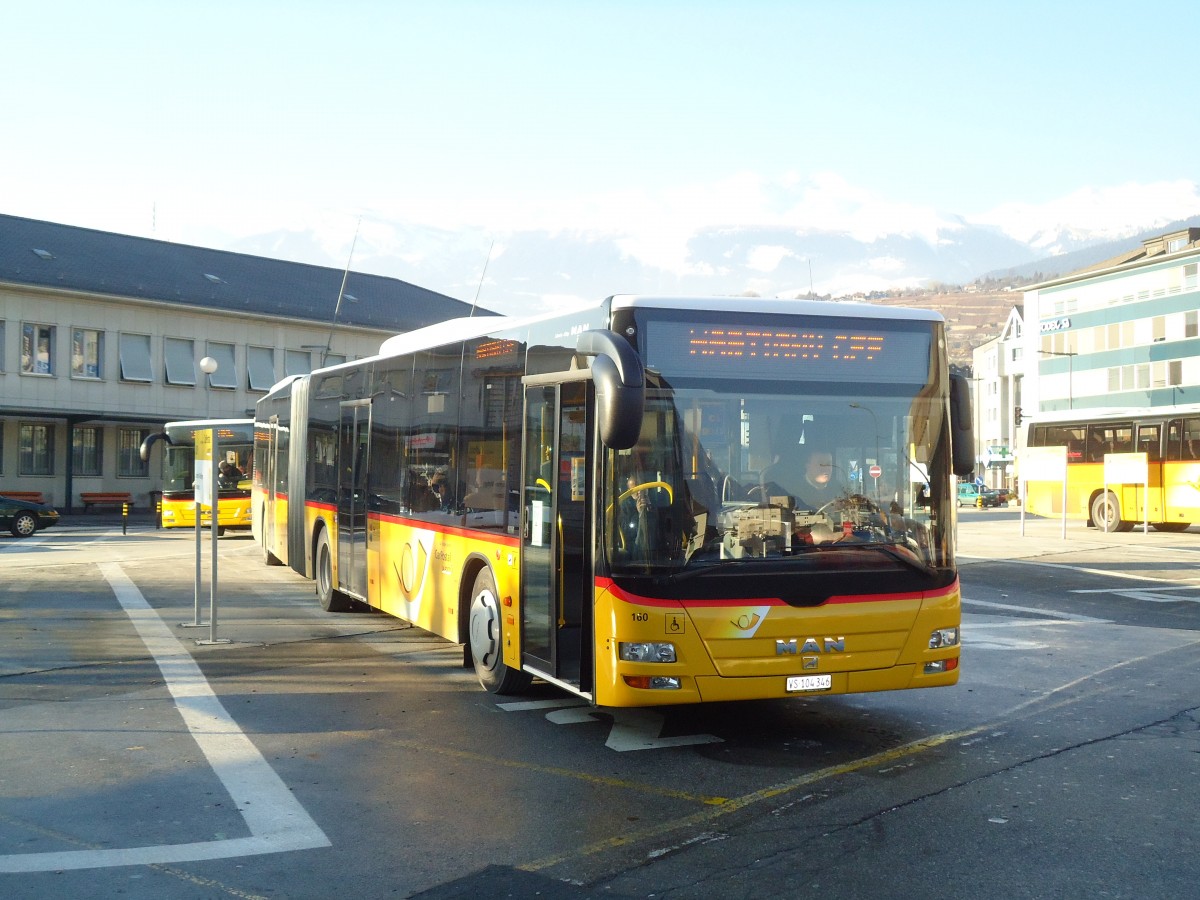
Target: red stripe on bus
(627, 597)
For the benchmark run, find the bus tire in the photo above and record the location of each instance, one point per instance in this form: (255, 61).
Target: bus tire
(332, 600)
(1106, 508)
(1170, 526)
(485, 636)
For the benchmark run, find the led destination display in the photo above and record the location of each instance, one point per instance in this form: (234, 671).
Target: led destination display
(828, 350)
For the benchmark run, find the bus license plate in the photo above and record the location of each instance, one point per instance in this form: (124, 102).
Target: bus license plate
(809, 682)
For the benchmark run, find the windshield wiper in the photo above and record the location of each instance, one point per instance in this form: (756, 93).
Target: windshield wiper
(904, 556)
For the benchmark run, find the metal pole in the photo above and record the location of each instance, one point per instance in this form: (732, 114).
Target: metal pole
(1064, 508)
(212, 581)
(195, 623)
(213, 522)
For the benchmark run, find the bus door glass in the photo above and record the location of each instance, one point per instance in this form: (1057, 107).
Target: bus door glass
(556, 540)
(267, 479)
(353, 459)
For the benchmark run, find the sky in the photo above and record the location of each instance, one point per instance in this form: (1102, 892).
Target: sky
(206, 123)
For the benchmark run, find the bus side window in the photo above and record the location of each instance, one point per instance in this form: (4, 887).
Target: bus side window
(1191, 439)
(1174, 448)
(1148, 442)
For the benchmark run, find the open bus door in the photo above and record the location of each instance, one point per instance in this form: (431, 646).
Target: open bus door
(354, 462)
(268, 479)
(557, 531)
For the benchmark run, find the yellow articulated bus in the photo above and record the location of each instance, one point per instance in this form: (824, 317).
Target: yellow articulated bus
(649, 501)
(233, 470)
(1170, 438)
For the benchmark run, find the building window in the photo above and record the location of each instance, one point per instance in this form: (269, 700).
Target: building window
(37, 349)
(1114, 380)
(36, 449)
(87, 352)
(1158, 326)
(297, 362)
(129, 458)
(226, 374)
(1175, 372)
(260, 366)
(1, 345)
(1127, 335)
(86, 448)
(179, 355)
(1190, 329)
(135, 357)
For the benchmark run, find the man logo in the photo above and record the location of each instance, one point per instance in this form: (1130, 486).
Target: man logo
(793, 647)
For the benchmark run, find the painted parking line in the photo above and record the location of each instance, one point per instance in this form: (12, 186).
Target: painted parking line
(1057, 615)
(275, 819)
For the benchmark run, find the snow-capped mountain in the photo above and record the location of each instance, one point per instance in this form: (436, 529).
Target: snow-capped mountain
(530, 271)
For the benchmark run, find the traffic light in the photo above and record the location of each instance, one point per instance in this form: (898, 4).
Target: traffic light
(1017, 416)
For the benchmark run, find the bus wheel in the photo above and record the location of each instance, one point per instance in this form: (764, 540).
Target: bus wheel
(1106, 513)
(487, 647)
(332, 600)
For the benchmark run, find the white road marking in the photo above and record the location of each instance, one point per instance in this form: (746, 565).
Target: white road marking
(632, 729)
(275, 819)
(1047, 613)
(525, 705)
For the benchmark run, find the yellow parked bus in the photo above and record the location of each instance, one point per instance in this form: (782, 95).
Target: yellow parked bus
(233, 470)
(649, 501)
(1170, 438)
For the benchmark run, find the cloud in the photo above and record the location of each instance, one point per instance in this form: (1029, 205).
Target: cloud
(1100, 211)
(767, 258)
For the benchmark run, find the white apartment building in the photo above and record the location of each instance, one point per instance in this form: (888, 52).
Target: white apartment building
(1122, 334)
(998, 368)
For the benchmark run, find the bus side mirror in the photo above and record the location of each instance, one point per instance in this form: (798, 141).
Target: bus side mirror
(962, 429)
(151, 439)
(620, 387)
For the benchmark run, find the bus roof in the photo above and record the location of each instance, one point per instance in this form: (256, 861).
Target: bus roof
(1113, 414)
(462, 329)
(776, 305)
(208, 423)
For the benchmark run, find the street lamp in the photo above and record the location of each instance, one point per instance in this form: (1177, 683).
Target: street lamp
(1070, 354)
(208, 365)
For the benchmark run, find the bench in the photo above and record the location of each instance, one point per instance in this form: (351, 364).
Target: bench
(105, 498)
(31, 496)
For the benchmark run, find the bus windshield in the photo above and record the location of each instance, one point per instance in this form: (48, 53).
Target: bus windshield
(234, 466)
(745, 474)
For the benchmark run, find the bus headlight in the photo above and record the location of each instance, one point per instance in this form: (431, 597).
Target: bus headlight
(646, 651)
(943, 637)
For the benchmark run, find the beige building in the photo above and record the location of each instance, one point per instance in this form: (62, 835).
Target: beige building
(102, 336)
